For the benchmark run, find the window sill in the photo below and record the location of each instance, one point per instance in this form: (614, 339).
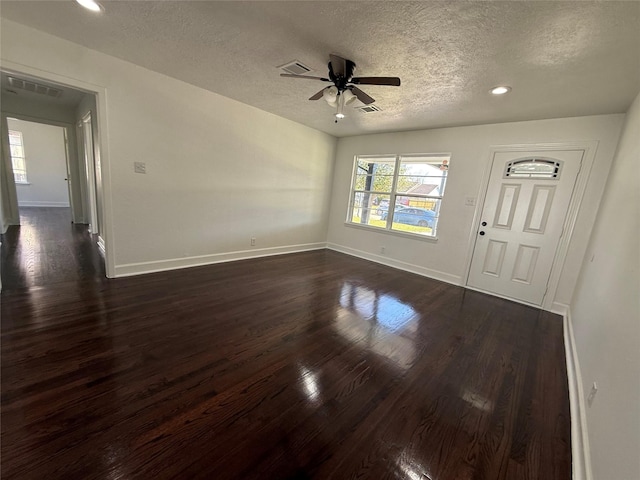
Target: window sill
(396, 233)
(23, 183)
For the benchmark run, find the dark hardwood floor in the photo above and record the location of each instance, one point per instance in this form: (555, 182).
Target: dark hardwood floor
(47, 248)
(310, 365)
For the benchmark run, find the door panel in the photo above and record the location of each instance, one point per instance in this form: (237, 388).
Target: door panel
(494, 258)
(539, 208)
(506, 209)
(525, 264)
(522, 222)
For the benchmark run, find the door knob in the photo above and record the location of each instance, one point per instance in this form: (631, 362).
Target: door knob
(481, 232)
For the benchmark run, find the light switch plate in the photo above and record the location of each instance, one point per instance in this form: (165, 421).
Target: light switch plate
(139, 167)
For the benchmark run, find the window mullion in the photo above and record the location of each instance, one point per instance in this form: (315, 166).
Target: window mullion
(392, 197)
(373, 192)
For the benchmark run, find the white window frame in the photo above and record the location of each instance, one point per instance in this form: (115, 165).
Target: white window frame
(443, 159)
(23, 157)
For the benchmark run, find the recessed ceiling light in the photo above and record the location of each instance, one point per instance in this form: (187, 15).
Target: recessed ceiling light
(91, 5)
(501, 90)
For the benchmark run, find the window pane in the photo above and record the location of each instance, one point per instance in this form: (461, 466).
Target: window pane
(15, 138)
(533, 168)
(18, 164)
(20, 177)
(416, 215)
(368, 209)
(375, 174)
(422, 178)
(16, 151)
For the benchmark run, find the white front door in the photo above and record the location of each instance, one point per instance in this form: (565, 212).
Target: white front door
(522, 222)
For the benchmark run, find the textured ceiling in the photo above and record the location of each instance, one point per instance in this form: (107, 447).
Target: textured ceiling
(561, 58)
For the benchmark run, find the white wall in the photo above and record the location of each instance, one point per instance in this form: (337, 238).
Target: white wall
(605, 314)
(218, 171)
(46, 161)
(469, 148)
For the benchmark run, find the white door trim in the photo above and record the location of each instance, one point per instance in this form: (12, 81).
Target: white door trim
(100, 141)
(88, 149)
(589, 148)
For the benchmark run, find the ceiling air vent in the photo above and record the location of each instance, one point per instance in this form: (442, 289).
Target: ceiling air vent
(295, 68)
(34, 87)
(369, 109)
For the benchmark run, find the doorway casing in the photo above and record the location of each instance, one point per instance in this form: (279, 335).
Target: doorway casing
(101, 151)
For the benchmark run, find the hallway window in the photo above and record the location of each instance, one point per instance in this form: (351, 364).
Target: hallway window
(17, 157)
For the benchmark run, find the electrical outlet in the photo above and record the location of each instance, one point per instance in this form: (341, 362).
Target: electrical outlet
(253, 241)
(592, 393)
(470, 201)
(139, 167)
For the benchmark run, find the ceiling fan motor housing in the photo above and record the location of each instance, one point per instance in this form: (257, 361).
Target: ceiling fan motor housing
(339, 78)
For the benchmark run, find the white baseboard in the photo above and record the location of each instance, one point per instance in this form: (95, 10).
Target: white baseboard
(130, 269)
(580, 453)
(28, 203)
(559, 309)
(390, 262)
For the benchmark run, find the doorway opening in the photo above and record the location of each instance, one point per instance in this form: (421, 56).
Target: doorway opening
(51, 184)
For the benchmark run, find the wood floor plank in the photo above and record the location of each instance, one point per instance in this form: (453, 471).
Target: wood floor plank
(310, 365)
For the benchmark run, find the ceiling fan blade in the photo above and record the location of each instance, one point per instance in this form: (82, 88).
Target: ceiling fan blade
(317, 96)
(290, 75)
(363, 97)
(338, 65)
(393, 81)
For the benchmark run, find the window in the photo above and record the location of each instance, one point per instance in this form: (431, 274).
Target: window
(17, 156)
(399, 193)
(533, 168)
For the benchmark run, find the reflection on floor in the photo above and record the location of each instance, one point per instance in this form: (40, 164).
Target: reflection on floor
(47, 248)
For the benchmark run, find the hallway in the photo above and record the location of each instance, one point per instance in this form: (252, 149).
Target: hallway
(48, 249)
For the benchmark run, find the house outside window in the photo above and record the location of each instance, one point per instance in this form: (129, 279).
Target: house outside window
(17, 157)
(398, 193)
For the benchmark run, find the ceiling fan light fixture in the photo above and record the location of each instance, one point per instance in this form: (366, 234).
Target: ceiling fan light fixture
(349, 97)
(91, 5)
(330, 94)
(500, 90)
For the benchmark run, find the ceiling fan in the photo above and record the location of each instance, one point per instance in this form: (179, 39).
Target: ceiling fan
(344, 90)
